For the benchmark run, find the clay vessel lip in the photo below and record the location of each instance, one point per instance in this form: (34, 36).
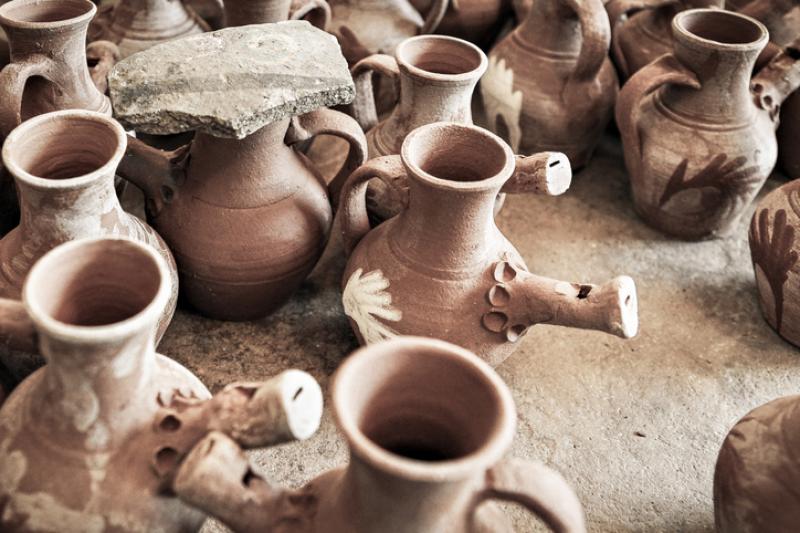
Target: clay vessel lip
(146, 318)
(439, 136)
(17, 138)
(470, 75)
(683, 33)
(361, 364)
(6, 18)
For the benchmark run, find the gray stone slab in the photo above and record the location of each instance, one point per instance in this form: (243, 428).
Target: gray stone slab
(231, 82)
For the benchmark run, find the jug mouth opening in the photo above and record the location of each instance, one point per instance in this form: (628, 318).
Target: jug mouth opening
(64, 149)
(96, 290)
(457, 156)
(439, 58)
(718, 28)
(43, 14)
(423, 409)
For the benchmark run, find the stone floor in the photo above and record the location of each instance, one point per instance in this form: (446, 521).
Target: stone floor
(634, 425)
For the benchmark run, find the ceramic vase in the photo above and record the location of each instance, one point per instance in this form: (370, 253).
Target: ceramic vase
(243, 12)
(477, 21)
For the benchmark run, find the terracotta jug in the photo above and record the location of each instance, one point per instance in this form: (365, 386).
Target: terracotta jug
(136, 25)
(243, 12)
(757, 471)
(428, 425)
(641, 30)
(91, 441)
(442, 269)
(699, 136)
(477, 21)
(550, 84)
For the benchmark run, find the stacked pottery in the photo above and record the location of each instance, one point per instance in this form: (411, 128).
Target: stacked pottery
(92, 441)
(550, 84)
(442, 269)
(698, 134)
(428, 425)
(246, 216)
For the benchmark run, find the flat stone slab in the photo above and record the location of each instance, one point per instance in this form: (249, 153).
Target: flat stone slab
(231, 82)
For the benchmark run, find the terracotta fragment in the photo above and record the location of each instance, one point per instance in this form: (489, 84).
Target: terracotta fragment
(429, 272)
(428, 425)
(550, 84)
(91, 441)
(698, 134)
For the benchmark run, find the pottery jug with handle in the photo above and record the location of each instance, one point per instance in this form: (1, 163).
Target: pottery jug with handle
(697, 131)
(442, 269)
(477, 21)
(243, 12)
(428, 425)
(550, 84)
(91, 441)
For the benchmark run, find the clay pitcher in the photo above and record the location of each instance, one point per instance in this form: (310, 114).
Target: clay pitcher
(699, 142)
(63, 164)
(477, 21)
(641, 30)
(243, 12)
(442, 269)
(91, 441)
(428, 425)
(550, 84)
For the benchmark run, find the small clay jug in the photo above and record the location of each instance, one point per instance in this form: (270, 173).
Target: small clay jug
(63, 164)
(477, 21)
(757, 471)
(428, 425)
(136, 25)
(550, 84)
(699, 136)
(641, 30)
(774, 248)
(243, 12)
(442, 269)
(91, 441)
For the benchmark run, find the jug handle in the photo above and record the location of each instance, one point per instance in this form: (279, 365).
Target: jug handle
(779, 79)
(540, 489)
(596, 33)
(435, 15)
(353, 201)
(319, 11)
(105, 54)
(16, 327)
(324, 121)
(13, 79)
(664, 70)
(363, 106)
(618, 12)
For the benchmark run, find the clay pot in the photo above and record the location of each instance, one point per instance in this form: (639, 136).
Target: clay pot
(642, 30)
(428, 425)
(136, 25)
(699, 143)
(477, 21)
(789, 133)
(757, 469)
(201, 197)
(244, 12)
(550, 84)
(63, 164)
(442, 269)
(91, 441)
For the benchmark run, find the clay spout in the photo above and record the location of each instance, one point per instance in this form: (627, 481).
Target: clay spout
(780, 78)
(547, 173)
(157, 172)
(16, 328)
(520, 299)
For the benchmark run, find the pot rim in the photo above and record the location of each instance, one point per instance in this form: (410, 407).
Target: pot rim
(420, 73)
(496, 444)
(103, 172)
(146, 318)
(7, 20)
(679, 29)
(446, 130)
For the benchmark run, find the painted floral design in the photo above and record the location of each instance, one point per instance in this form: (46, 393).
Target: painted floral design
(503, 104)
(366, 301)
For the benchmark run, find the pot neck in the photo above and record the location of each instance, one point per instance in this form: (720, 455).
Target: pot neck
(64, 43)
(552, 29)
(243, 12)
(151, 19)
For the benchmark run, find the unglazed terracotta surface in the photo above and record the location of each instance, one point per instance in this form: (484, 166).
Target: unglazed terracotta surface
(427, 424)
(699, 136)
(550, 84)
(757, 471)
(477, 21)
(63, 164)
(429, 272)
(91, 442)
(243, 12)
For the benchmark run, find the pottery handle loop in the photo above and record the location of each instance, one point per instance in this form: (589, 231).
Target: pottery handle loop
(317, 11)
(596, 33)
(16, 327)
(662, 71)
(776, 81)
(547, 173)
(353, 201)
(326, 121)
(13, 78)
(363, 107)
(540, 489)
(434, 17)
(102, 56)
